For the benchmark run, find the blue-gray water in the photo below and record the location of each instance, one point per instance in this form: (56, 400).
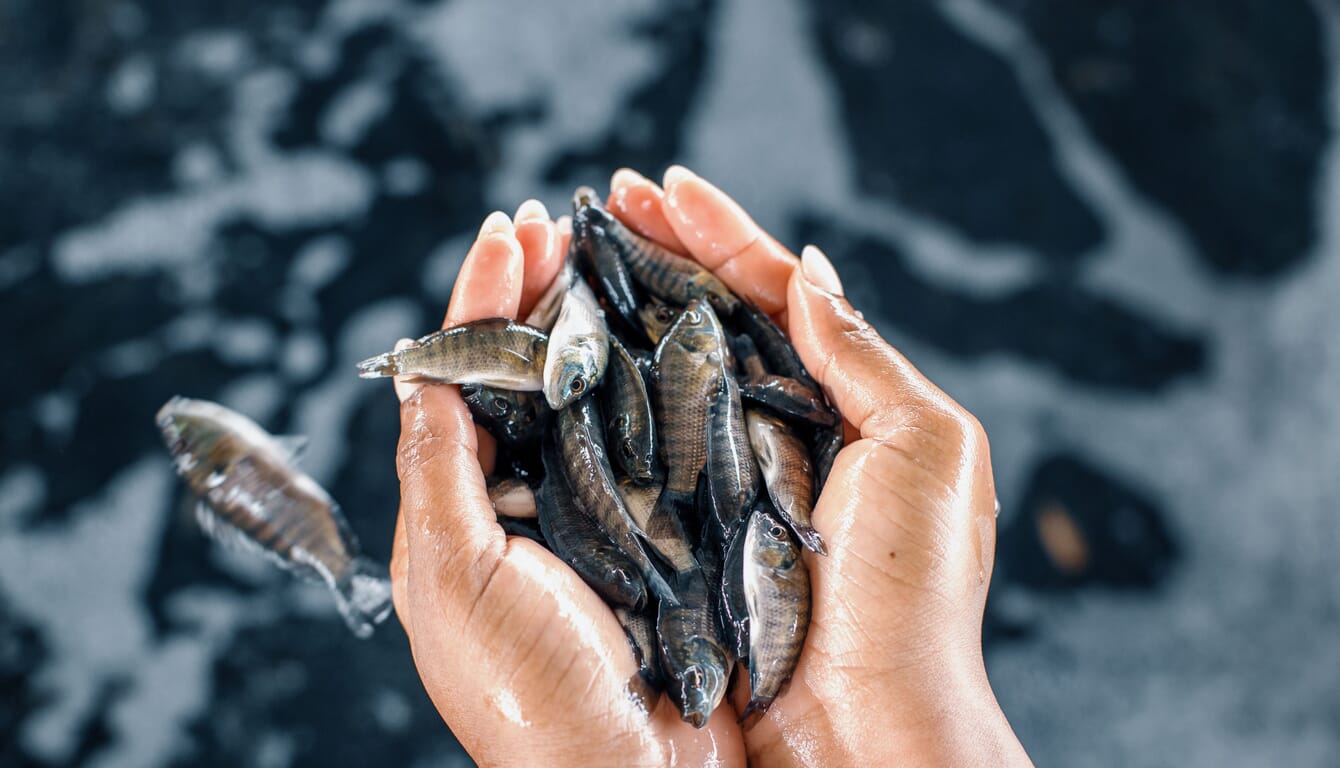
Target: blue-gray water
(1112, 230)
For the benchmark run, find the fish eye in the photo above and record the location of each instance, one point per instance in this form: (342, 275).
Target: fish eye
(695, 678)
(776, 531)
(577, 386)
(663, 314)
(501, 406)
(626, 448)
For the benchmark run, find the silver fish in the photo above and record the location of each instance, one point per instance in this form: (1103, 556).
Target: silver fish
(578, 348)
(732, 472)
(787, 473)
(777, 596)
(252, 495)
(496, 352)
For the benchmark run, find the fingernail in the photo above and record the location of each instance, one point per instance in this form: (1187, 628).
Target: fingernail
(564, 225)
(404, 388)
(675, 174)
(626, 177)
(530, 210)
(497, 223)
(819, 272)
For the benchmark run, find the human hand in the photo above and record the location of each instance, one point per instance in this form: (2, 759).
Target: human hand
(524, 662)
(892, 666)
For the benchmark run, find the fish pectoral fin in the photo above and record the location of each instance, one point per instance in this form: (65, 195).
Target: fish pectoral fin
(294, 446)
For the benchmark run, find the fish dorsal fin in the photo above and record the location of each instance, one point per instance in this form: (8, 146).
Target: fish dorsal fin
(293, 446)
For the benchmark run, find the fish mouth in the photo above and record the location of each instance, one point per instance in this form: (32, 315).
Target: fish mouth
(570, 387)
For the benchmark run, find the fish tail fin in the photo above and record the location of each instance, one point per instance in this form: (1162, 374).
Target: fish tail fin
(387, 364)
(811, 539)
(363, 595)
(659, 586)
(753, 713)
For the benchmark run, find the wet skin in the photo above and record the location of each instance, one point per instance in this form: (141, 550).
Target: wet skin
(528, 666)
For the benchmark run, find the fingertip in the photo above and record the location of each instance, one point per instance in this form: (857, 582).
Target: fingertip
(626, 177)
(496, 223)
(541, 253)
(490, 280)
(819, 271)
(405, 386)
(564, 224)
(675, 174)
(639, 203)
(531, 210)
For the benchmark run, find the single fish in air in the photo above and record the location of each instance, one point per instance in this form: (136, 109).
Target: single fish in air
(252, 495)
(495, 352)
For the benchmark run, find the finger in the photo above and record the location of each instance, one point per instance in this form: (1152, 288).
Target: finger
(538, 236)
(490, 281)
(405, 386)
(638, 202)
(871, 384)
(719, 234)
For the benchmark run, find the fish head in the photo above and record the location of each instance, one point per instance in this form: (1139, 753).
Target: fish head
(656, 317)
(578, 371)
(697, 329)
(197, 433)
(516, 417)
(590, 221)
(769, 543)
(700, 682)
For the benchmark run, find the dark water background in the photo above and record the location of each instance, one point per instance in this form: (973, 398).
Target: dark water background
(1111, 229)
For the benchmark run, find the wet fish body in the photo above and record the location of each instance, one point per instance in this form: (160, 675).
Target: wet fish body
(777, 352)
(591, 479)
(253, 495)
(732, 472)
(788, 398)
(495, 352)
(598, 250)
(777, 597)
(787, 472)
(514, 418)
(656, 317)
(663, 533)
(640, 627)
(630, 425)
(733, 609)
(696, 665)
(578, 349)
(581, 542)
(825, 446)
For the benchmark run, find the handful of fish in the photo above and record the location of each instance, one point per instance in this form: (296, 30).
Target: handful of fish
(682, 446)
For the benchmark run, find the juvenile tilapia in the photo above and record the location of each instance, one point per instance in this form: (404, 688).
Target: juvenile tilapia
(690, 363)
(825, 446)
(777, 596)
(597, 249)
(789, 398)
(733, 611)
(663, 533)
(578, 348)
(696, 665)
(781, 357)
(514, 418)
(732, 472)
(580, 541)
(787, 473)
(662, 272)
(630, 427)
(252, 495)
(496, 352)
(591, 479)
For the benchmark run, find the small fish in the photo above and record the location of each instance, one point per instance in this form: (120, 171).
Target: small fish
(777, 597)
(781, 357)
(645, 361)
(591, 479)
(690, 363)
(252, 495)
(663, 533)
(512, 497)
(733, 610)
(640, 626)
(630, 426)
(589, 219)
(656, 317)
(496, 352)
(662, 272)
(546, 308)
(747, 356)
(697, 667)
(578, 348)
(825, 446)
(787, 473)
(514, 418)
(580, 541)
(789, 398)
(732, 472)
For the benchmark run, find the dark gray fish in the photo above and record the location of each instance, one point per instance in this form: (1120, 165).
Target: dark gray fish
(696, 665)
(663, 533)
(640, 626)
(787, 472)
(630, 426)
(514, 418)
(580, 541)
(597, 249)
(645, 361)
(825, 446)
(772, 344)
(253, 495)
(591, 478)
(578, 347)
(734, 612)
(496, 352)
(777, 597)
(511, 497)
(662, 272)
(656, 317)
(789, 398)
(732, 473)
(690, 363)
(747, 356)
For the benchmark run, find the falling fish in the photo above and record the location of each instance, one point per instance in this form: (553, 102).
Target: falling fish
(252, 495)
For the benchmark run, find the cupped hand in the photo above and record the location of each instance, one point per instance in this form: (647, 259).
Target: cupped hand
(526, 664)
